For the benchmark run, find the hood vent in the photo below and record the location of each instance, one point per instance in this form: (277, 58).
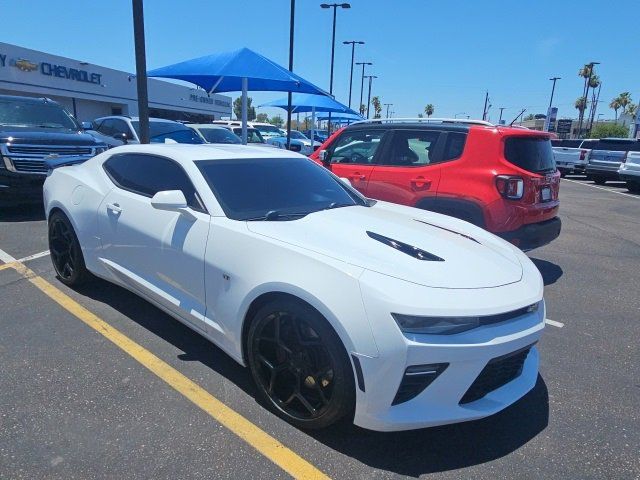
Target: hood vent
(448, 230)
(410, 250)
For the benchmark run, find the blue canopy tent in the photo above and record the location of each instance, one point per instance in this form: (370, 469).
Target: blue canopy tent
(341, 117)
(239, 70)
(304, 103)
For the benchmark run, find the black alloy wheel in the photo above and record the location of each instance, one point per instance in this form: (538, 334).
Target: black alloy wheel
(65, 251)
(299, 365)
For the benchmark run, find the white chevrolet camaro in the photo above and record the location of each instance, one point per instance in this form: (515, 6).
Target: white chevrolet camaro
(339, 305)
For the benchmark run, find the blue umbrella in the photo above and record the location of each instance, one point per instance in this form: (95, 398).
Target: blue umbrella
(302, 103)
(240, 70)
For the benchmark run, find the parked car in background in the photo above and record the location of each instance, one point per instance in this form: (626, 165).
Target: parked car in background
(630, 171)
(319, 135)
(253, 135)
(500, 178)
(267, 130)
(571, 155)
(339, 306)
(607, 156)
(31, 130)
(215, 133)
(120, 130)
(299, 143)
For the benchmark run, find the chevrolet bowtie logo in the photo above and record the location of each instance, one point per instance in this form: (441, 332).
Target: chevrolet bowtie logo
(52, 155)
(25, 65)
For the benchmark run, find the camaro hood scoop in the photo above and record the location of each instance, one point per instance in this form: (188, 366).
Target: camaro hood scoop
(417, 246)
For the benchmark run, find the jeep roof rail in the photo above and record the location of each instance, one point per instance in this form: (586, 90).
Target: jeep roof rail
(425, 120)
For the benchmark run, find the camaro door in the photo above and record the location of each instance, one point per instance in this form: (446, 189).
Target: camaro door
(352, 156)
(158, 253)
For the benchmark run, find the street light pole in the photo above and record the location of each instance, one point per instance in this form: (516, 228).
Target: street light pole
(501, 110)
(362, 84)
(388, 105)
(553, 89)
(333, 44)
(141, 70)
(289, 97)
(370, 77)
(353, 53)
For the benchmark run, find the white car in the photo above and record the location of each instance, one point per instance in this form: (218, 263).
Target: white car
(630, 171)
(339, 305)
(299, 142)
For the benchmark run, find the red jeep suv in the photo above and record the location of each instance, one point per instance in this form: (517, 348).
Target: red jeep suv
(503, 179)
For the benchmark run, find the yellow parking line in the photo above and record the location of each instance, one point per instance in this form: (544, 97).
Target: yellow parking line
(271, 448)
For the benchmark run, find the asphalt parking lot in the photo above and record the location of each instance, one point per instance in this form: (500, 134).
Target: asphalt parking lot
(84, 399)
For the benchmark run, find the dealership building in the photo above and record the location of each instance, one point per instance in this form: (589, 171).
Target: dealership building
(90, 91)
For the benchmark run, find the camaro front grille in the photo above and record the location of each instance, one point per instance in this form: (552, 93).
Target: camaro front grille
(44, 150)
(497, 373)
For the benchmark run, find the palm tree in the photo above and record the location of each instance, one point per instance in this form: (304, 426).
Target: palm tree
(625, 99)
(581, 105)
(377, 106)
(615, 106)
(429, 109)
(632, 110)
(585, 72)
(420, 115)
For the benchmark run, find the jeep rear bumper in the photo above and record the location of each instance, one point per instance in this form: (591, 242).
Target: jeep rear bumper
(534, 235)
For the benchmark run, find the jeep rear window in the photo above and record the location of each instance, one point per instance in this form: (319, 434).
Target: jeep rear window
(531, 154)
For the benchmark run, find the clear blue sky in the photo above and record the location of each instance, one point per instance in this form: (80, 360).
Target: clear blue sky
(424, 51)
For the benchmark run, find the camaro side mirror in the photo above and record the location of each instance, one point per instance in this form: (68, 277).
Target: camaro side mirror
(170, 200)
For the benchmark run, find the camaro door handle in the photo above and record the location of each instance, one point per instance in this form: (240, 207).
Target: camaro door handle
(421, 182)
(115, 208)
(357, 176)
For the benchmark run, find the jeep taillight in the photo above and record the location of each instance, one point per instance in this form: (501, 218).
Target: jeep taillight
(583, 154)
(510, 187)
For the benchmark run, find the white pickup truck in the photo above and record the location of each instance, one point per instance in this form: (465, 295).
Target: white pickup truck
(571, 156)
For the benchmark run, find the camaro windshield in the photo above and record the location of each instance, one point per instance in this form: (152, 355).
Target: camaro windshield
(274, 188)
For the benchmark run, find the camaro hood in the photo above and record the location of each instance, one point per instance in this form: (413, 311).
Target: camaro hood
(413, 245)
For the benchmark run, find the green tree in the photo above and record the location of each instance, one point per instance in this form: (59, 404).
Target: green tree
(581, 105)
(603, 130)
(420, 115)
(429, 109)
(262, 118)
(237, 109)
(615, 106)
(531, 116)
(363, 109)
(277, 121)
(632, 110)
(377, 106)
(625, 99)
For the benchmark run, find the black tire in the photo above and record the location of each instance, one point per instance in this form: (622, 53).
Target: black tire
(65, 251)
(633, 187)
(598, 180)
(563, 173)
(300, 367)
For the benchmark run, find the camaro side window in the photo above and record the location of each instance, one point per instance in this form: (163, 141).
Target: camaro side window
(149, 174)
(356, 147)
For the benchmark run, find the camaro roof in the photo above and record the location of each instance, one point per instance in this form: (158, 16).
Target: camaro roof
(186, 152)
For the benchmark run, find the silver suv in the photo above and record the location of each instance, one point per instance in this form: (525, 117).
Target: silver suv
(607, 156)
(630, 171)
(118, 130)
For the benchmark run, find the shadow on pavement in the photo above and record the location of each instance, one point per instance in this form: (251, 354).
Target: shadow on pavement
(410, 453)
(449, 447)
(550, 271)
(22, 213)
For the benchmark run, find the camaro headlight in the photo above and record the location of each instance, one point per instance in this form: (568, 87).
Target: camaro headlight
(451, 325)
(435, 325)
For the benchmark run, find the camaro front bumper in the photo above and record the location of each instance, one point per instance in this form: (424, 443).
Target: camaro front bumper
(473, 384)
